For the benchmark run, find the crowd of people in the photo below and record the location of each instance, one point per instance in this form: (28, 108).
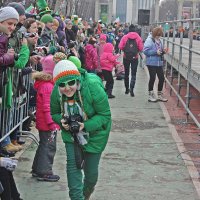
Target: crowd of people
(71, 63)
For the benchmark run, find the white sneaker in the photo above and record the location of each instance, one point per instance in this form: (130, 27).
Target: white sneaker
(161, 98)
(152, 97)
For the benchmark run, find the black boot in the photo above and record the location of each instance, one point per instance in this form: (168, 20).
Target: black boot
(110, 96)
(132, 93)
(127, 91)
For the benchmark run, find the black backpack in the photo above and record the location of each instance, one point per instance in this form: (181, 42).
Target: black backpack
(130, 49)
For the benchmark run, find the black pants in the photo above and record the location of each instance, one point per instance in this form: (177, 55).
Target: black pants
(44, 157)
(134, 64)
(10, 190)
(108, 77)
(153, 71)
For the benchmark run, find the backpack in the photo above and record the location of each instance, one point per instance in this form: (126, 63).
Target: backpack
(130, 49)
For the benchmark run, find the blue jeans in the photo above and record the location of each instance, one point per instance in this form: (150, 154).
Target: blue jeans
(134, 65)
(6, 141)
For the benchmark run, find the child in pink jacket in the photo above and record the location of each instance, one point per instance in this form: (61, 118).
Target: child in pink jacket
(44, 157)
(100, 46)
(108, 61)
(91, 57)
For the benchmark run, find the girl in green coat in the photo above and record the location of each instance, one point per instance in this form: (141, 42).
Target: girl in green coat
(78, 93)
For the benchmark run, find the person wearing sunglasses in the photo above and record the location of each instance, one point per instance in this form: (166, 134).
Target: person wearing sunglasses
(82, 94)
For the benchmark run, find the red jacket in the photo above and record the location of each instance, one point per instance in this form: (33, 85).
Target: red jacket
(44, 121)
(91, 57)
(131, 35)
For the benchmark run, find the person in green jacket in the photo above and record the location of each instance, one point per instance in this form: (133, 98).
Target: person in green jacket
(78, 93)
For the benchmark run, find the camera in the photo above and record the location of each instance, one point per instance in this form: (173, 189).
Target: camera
(28, 35)
(162, 53)
(79, 139)
(71, 44)
(72, 121)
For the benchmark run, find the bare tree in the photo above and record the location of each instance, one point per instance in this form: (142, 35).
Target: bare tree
(168, 10)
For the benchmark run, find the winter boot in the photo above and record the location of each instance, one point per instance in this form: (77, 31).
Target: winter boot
(110, 96)
(152, 97)
(161, 98)
(127, 91)
(11, 148)
(132, 93)
(109, 93)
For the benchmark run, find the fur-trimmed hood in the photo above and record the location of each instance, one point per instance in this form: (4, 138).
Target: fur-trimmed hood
(41, 78)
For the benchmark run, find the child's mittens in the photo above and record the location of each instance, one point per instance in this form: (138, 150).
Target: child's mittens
(8, 163)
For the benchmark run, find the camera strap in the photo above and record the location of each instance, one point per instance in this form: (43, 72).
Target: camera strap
(79, 156)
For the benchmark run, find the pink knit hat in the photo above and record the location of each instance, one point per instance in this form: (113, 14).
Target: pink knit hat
(48, 64)
(103, 37)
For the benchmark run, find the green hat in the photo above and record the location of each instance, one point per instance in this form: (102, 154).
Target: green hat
(43, 7)
(75, 60)
(46, 18)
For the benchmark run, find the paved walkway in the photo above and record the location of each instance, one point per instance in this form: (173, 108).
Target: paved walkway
(139, 163)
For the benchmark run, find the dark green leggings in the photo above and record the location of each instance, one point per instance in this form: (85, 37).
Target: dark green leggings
(80, 188)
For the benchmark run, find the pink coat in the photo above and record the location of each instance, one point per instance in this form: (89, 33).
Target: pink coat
(131, 35)
(44, 121)
(107, 59)
(91, 57)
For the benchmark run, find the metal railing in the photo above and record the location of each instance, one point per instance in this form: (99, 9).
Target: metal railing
(15, 113)
(181, 62)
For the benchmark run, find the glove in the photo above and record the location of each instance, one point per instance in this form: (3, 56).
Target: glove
(8, 163)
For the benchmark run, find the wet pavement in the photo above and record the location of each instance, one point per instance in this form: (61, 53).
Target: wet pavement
(140, 162)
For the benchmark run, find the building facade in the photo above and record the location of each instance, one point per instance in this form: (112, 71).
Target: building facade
(104, 10)
(126, 10)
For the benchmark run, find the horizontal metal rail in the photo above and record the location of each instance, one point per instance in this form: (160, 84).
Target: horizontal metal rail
(183, 56)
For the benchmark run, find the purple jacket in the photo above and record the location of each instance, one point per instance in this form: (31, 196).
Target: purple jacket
(61, 33)
(5, 58)
(91, 57)
(44, 87)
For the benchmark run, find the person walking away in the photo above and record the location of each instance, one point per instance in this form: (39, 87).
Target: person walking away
(81, 95)
(108, 61)
(44, 157)
(131, 44)
(154, 51)
(91, 57)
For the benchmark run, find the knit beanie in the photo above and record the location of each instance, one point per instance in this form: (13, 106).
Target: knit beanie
(103, 37)
(46, 18)
(48, 64)
(18, 7)
(67, 21)
(58, 56)
(8, 13)
(65, 71)
(75, 60)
